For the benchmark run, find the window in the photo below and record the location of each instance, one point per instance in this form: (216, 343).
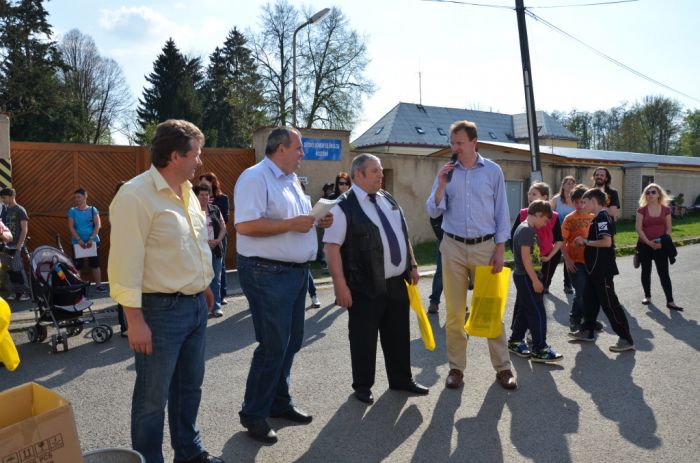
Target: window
(379, 130)
(441, 131)
(420, 130)
(493, 135)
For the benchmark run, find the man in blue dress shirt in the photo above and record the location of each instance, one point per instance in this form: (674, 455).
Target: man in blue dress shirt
(471, 196)
(276, 241)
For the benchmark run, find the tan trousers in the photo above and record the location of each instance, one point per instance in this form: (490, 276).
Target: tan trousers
(459, 260)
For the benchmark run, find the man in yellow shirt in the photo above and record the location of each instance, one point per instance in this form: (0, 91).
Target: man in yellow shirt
(160, 269)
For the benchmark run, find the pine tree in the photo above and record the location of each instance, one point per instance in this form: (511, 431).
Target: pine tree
(232, 94)
(30, 89)
(173, 91)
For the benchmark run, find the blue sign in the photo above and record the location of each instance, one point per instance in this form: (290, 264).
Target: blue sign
(322, 149)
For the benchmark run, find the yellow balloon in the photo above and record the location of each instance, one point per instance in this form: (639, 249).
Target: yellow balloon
(8, 352)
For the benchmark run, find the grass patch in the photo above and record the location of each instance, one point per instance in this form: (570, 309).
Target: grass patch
(689, 227)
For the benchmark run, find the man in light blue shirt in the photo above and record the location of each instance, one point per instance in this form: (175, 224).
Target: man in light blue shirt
(275, 241)
(470, 194)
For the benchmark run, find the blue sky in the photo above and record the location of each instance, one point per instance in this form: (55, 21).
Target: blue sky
(469, 56)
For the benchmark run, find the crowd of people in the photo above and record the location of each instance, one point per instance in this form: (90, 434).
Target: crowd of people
(161, 224)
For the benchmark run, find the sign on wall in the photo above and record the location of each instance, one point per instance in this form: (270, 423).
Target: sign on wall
(322, 149)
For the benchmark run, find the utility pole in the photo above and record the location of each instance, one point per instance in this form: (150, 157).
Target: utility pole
(535, 168)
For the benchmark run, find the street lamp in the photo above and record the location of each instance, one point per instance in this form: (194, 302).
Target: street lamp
(313, 19)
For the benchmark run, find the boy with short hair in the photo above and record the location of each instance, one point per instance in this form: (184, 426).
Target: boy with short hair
(531, 314)
(599, 256)
(16, 220)
(576, 224)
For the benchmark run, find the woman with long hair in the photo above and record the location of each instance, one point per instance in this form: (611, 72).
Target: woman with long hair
(563, 205)
(653, 226)
(219, 199)
(342, 184)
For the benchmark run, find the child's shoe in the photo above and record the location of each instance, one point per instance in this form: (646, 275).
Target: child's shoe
(546, 355)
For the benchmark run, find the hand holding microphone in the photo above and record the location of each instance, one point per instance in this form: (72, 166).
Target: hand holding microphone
(453, 160)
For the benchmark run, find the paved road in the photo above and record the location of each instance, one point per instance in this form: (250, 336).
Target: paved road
(595, 405)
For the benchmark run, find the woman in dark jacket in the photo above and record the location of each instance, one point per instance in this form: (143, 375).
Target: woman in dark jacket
(220, 200)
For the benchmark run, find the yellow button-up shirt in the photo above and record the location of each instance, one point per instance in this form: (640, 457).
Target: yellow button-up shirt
(158, 241)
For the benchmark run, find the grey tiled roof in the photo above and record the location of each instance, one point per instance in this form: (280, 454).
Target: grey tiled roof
(610, 156)
(401, 126)
(550, 127)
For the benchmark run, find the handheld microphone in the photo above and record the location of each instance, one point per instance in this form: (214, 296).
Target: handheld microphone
(453, 159)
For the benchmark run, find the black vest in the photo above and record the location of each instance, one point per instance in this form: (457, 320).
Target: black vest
(362, 251)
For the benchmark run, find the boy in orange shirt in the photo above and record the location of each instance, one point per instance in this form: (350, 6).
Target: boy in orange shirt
(576, 224)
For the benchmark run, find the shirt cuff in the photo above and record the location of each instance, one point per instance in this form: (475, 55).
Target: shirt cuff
(127, 297)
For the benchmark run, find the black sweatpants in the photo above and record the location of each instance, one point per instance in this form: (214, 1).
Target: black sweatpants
(660, 259)
(386, 315)
(600, 292)
(549, 267)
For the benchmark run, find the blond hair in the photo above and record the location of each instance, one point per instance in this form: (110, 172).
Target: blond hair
(660, 192)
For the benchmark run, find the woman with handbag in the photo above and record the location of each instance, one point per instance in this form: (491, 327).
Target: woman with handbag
(653, 223)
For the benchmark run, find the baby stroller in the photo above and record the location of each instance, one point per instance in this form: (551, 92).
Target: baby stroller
(60, 297)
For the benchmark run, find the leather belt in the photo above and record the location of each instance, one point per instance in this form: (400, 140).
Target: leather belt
(178, 294)
(262, 260)
(477, 240)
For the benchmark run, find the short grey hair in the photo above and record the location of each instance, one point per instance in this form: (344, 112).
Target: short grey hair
(279, 136)
(358, 163)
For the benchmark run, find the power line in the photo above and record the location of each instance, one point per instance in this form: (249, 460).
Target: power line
(471, 4)
(609, 58)
(583, 4)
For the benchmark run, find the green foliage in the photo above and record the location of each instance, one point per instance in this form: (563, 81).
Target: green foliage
(232, 94)
(649, 126)
(689, 140)
(30, 89)
(173, 91)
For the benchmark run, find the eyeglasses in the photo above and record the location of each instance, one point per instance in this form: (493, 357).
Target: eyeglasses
(650, 192)
(343, 183)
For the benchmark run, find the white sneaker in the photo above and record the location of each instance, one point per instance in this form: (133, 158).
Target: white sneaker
(314, 302)
(24, 297)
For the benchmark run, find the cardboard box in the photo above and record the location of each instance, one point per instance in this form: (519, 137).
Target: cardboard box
(37, 426)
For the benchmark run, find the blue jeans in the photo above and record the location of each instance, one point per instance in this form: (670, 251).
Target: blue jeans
(173, 373)
(276, 295)
(437, 279)
(312, 285)
(578, 280)
(224, 283)
(215, 284)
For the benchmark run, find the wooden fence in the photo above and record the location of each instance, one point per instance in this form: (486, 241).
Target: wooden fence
(45, 176)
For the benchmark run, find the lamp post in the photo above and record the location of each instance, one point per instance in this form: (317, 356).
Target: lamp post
(313, 19)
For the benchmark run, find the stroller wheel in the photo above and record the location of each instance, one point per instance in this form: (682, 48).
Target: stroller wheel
(36, 333)
(54, 344)
(33, 334)
(100, 334)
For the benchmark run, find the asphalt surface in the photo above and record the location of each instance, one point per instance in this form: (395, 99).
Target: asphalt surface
(595, 405)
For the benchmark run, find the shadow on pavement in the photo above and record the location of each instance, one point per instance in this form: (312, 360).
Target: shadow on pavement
(435, 443)
(37, 361)
(320, 320)
(610, 384)
(360, 433)
(675, 324)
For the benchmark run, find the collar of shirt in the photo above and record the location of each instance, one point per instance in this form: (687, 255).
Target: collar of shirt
(361, 194)
(276, 171)
(161, 184)
(479, 163)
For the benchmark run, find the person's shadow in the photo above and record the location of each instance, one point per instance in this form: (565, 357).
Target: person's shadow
(435, 442)
(675, 324)
(612, 389)
(360, 433)
(322, 319)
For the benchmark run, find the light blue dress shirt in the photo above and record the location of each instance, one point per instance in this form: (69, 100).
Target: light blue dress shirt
(265, 191)
(474, 203)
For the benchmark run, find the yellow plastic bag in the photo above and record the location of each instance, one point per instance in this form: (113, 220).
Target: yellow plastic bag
(8, 352)
(488, 302)
(426, 330)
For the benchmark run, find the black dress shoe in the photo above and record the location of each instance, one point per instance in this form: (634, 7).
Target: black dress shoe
(296, 415)
(260, 431)
(364, 396)
(203, 457)
(413, 387)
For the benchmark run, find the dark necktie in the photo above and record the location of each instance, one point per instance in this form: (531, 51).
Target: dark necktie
(394, 251)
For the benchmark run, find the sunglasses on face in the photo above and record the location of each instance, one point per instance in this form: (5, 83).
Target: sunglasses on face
(650, 192)
(343, 183)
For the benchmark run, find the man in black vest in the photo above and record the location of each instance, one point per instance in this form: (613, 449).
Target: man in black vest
(369, 256)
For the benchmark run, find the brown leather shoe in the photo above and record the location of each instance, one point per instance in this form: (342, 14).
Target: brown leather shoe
(454, 379)
(507, 380)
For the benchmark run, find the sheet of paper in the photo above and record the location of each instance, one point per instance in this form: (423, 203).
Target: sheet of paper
(322, 207)
(80, 252)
